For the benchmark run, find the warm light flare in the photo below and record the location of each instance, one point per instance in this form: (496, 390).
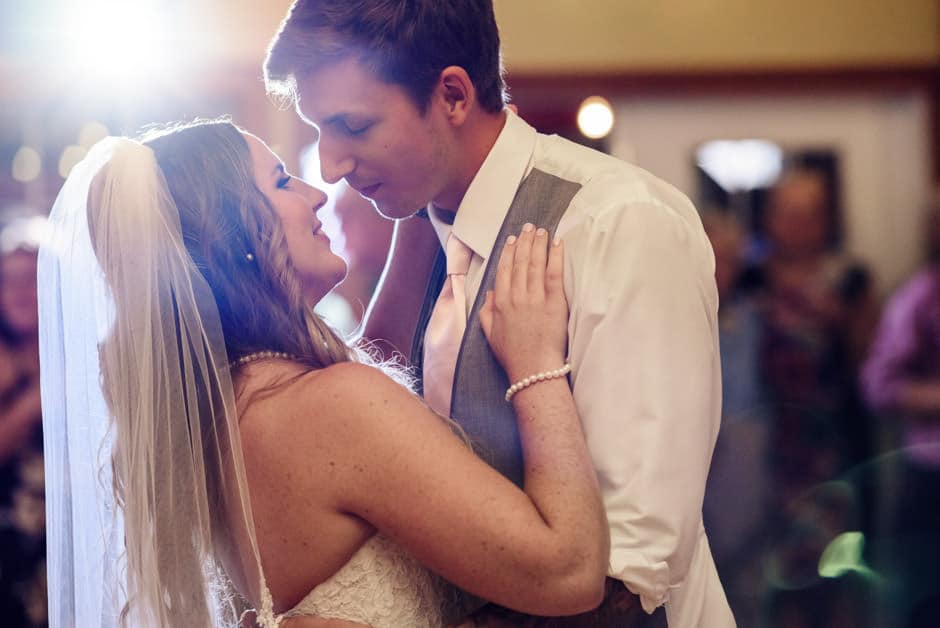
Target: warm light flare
(596, 117)
(740, 165)
(92, 133)
(118, 42)
(27, 164)
(70, 158)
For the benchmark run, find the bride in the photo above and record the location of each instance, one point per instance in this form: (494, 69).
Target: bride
(217, 455)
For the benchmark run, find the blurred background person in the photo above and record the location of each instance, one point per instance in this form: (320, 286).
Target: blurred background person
(735, 510)
(22, 503)
(817, 308)
(901, 380)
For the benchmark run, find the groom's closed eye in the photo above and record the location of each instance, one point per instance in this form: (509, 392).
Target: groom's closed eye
(351, 125)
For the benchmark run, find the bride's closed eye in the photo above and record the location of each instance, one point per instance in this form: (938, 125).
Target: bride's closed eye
(284, 182)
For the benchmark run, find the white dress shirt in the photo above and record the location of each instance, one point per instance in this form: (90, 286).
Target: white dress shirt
(643, 346)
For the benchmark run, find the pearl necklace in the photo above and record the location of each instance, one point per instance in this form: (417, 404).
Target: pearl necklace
(262, 355)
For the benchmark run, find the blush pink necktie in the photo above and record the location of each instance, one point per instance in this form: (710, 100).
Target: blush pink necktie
(445, 328)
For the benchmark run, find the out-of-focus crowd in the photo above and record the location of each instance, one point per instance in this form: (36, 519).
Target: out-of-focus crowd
(823, 502)
(22, 506)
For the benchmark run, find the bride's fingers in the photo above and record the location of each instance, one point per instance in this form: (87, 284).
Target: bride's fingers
(520, 268)
(555, 269)
(537, 260)
(503, 282)
(486, 314)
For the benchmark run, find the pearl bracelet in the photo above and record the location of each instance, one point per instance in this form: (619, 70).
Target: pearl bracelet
(538, 377)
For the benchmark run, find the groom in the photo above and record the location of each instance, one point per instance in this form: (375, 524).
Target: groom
(409, 100)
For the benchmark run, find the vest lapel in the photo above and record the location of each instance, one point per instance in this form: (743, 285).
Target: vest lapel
(480, 383)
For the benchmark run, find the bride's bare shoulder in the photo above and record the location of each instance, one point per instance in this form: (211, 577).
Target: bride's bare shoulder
(347, 385)
(277, 403)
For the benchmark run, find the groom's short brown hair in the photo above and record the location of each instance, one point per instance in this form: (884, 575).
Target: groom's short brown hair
(405, 42)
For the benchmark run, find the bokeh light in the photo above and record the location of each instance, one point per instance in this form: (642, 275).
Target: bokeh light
(596, 117)
(27, 164)
(70, 158)
(24, 232)
(740, 165)
(91, 134)
(118, 42)
(842, 555)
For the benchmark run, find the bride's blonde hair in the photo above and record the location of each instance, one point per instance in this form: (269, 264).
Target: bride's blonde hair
(174, 321)
(238, 244)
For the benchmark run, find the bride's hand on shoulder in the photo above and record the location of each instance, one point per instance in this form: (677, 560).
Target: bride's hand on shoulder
(525, 316)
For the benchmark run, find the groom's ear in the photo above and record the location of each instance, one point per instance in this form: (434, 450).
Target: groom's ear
(455, 93)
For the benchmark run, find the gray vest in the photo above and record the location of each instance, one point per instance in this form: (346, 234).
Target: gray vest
(479, 405)
(478, 402)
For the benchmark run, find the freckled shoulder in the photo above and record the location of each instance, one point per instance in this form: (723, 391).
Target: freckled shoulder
(314, 409)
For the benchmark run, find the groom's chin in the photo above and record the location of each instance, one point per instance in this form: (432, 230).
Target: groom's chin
(394, 211)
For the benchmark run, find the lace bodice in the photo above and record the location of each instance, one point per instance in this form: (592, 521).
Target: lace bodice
(382, 586)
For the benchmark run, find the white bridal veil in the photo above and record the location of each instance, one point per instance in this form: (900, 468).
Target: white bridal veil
(148, 517)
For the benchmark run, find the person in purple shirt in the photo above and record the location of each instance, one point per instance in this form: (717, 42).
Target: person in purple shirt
(901, 379)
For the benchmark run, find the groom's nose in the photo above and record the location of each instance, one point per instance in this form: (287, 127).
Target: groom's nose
(335, 162)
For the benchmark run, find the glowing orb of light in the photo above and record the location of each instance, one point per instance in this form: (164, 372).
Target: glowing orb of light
(738, 165)
(91, 133)
(70, 158)
(117, 40)
(25, 232)
(595, 117)
(27, 164)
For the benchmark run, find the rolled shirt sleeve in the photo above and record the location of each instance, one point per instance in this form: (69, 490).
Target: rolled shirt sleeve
(646, 377)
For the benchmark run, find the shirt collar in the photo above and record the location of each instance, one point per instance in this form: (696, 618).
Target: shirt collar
(483, 208)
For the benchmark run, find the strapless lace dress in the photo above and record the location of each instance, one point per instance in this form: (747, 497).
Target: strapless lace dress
(382, 586)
